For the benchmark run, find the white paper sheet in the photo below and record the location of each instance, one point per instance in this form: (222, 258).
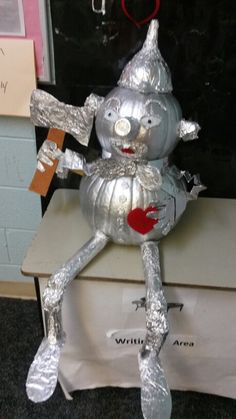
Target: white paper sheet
(102, 337)
(11, 18)
(17, 76)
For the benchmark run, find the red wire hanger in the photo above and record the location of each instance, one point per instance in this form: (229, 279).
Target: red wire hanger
(143, 21)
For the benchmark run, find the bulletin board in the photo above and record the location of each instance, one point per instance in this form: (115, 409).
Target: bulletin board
(31, 19)
(197, 40)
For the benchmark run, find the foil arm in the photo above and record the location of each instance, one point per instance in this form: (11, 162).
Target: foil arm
(155, 393)
(43, 372)
(165, 214)
(71, 160)
(47, 111)
(197, 185)
(188, 130)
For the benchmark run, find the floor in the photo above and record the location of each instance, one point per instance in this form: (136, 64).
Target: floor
(20, 337)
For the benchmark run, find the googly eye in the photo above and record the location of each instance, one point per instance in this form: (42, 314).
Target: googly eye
(150, 121)
(110, 115)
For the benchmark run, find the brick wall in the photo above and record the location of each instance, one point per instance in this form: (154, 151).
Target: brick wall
(20, 210)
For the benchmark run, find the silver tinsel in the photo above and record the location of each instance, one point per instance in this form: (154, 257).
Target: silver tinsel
(110, 169)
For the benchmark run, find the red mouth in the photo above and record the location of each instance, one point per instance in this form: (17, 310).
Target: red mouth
(127, 150)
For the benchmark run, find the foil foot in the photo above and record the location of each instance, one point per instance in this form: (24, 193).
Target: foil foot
(155, 393)
(42, 376)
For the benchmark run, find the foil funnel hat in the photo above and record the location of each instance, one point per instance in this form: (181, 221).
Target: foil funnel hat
(147, 72)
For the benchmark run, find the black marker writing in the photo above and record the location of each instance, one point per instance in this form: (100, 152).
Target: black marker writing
(3, 86)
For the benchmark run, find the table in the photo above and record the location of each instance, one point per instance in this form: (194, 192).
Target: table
(102, 311)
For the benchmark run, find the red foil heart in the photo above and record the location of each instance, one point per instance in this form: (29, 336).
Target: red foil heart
(138, 220)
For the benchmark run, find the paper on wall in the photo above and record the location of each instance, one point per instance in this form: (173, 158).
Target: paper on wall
(11, 18)
(34, 31)
(17, 76)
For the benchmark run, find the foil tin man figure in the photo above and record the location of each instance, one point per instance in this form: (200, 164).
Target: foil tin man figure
(130, 196)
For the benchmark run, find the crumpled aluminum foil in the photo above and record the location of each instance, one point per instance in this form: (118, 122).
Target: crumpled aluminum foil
(43, 372)
(148, 176)
(66, 273)
(73, 161)
(94, 102)
(156, 320)
(197, 184)
(188, 130)
(110, 169)
(147, 72)
(155, 393)
(47, 111)
(47, 154)
(156, 305)
(53, 323)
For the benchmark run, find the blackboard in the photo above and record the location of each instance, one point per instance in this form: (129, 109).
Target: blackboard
(196, 38)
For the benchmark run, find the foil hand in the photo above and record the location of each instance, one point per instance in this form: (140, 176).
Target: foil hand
(164, 214)
(188, 130)
(47, 154)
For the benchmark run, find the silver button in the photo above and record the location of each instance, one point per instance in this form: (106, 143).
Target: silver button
(122, 127)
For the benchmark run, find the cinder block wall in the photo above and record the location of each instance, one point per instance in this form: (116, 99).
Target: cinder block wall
(20, 210)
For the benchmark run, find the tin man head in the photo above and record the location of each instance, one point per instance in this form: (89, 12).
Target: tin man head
(138, 119)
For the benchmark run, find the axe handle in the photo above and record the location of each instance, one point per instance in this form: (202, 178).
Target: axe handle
(41, 181)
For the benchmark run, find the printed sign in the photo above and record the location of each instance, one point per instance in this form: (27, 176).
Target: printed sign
(177, 345)
(180, 345)
(127, 337)
(17, 76)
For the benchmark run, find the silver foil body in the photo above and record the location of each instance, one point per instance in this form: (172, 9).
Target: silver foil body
(140, 115)
(106, 204)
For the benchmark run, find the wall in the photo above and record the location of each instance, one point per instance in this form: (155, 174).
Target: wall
(20, 210)
(197, 40)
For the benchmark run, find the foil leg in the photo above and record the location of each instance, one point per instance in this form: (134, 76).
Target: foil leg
(43, 373)
(155, 393)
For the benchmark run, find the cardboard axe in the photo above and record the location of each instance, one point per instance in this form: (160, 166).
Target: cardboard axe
(41, 181)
